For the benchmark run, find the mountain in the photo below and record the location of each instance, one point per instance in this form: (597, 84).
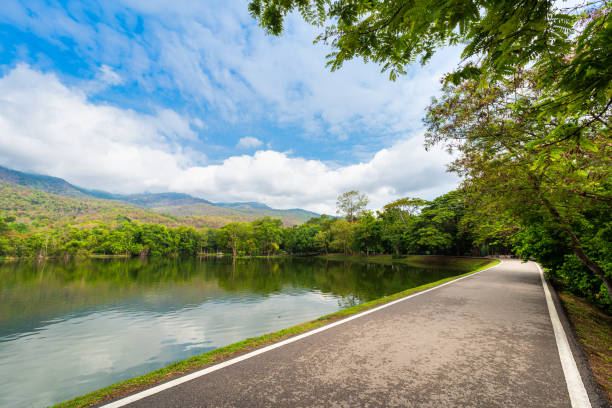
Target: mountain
(40, 210)
(242, 212)
(250, 204)
(53, 185)
(149, 200)
(176, 204)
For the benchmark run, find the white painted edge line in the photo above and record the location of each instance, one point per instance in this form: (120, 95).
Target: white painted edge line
(173, 383)
(578, 395)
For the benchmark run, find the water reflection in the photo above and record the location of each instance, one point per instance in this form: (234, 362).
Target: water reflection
(69, 328)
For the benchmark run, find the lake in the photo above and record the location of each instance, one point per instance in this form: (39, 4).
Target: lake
(70, 328)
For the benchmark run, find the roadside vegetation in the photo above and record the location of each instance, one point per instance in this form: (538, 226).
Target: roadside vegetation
(594, 331)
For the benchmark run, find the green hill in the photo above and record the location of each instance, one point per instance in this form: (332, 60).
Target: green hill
(238, 213)
(48, 184)
(193, 210)
(38, 210)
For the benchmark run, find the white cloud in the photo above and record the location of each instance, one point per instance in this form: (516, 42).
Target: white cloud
(215, 55)
(247, 75)
(49, 128)
(107, 75)
(249, 143)
(287, 182)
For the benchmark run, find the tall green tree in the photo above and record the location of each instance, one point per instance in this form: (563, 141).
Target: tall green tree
(564, 183)
(322, 241)
(341, 235)
(367, 234)
(300, 239)
(234, 234)
(268, 234)
(351, 204)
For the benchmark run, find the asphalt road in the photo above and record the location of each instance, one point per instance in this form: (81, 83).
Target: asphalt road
(484, 341)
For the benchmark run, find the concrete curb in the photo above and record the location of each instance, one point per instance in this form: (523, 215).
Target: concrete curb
(594, 391)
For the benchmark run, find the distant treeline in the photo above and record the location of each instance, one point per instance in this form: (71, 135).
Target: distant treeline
(436, 227)
(128, 238)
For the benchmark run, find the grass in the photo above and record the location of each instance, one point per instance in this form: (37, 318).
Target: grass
(413, 260)
(107, 256)
(8, 259)
(222, 255)
(593, 328)
(223, 353)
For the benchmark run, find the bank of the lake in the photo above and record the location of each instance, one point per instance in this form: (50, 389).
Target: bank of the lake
(414, 260)
(469, 265)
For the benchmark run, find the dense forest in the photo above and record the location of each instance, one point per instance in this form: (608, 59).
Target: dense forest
(436, 227)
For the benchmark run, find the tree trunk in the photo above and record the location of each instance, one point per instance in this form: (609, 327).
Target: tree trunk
(592, 265)
(577, 248)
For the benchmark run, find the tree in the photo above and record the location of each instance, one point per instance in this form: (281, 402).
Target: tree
(300, 239)
(322, 241)
(437, 227)
(233, 234)
(351, 204)
(268, 234)
(342, 235)
(392, 230)
(4, 226)
(405, 208)
(367, 234)
(528, 170)
(395, 33)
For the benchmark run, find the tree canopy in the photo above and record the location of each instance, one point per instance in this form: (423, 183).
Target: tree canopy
(498, 35)
(351, 204)
(562, 185)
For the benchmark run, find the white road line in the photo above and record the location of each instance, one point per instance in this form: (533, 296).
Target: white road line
(173, 383)
(578, 395)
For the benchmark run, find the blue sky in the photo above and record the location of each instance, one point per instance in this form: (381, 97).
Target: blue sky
(192, 96)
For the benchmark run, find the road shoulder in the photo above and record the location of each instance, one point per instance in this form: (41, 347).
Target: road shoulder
(595, 392)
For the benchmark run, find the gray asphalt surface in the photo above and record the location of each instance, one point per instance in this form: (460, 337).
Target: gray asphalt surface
(485, 341)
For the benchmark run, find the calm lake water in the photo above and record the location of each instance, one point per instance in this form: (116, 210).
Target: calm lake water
(70, 328)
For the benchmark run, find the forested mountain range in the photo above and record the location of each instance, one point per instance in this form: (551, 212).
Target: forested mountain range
(176, 204)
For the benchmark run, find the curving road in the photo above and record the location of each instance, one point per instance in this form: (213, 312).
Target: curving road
(483, 341)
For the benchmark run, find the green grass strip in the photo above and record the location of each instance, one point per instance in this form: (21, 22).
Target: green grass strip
(426, 261)
(223, 353)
